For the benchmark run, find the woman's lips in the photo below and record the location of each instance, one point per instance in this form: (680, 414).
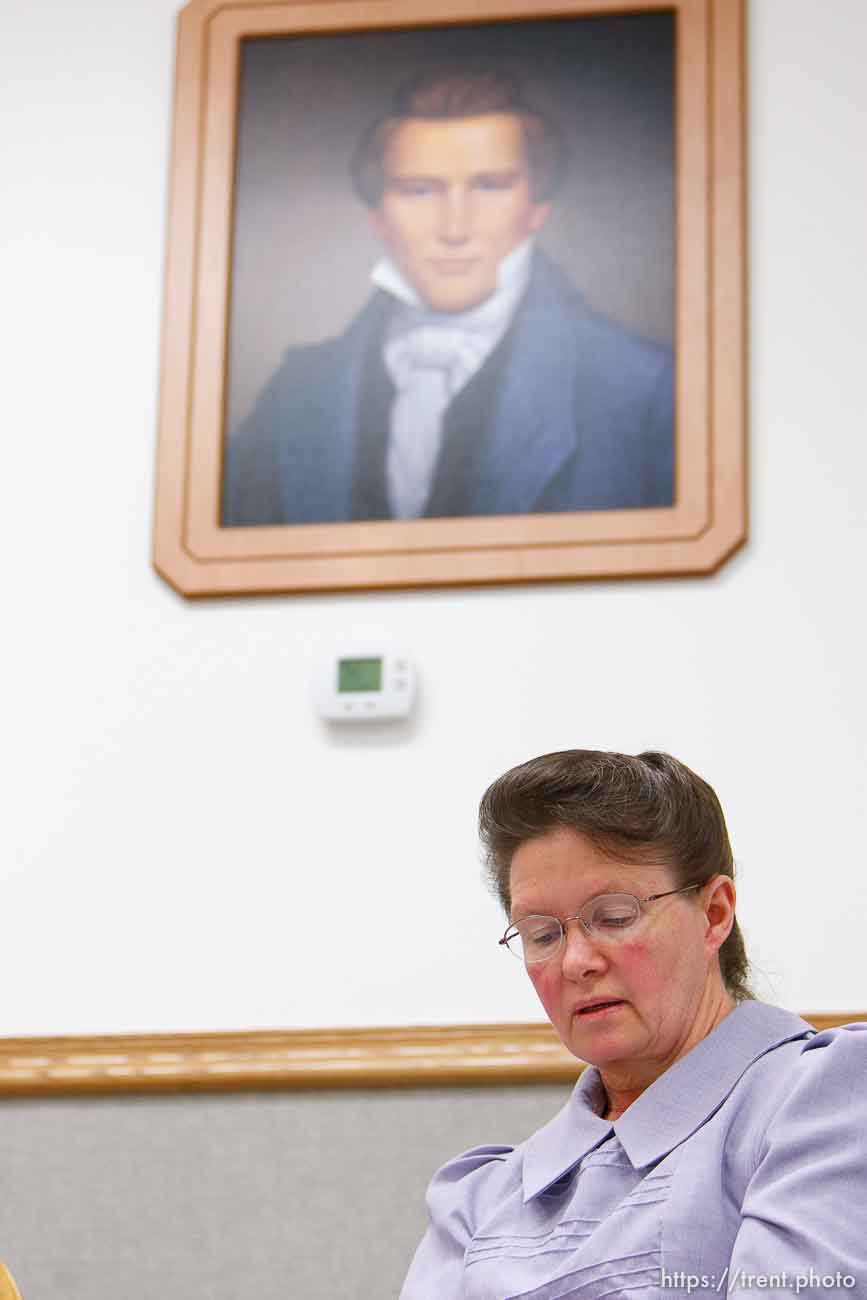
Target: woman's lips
(600, 1009)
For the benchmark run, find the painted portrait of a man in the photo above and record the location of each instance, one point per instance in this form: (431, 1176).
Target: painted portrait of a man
(476, 378)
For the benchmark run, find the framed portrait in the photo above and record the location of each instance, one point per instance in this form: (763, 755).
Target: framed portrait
(454, 294)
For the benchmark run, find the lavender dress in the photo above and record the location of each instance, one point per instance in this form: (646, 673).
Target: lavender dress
(742, 1169)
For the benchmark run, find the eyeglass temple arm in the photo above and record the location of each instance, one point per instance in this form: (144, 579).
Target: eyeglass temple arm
(684, 890)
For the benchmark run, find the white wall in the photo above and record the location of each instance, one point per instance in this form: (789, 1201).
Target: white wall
(177, 825)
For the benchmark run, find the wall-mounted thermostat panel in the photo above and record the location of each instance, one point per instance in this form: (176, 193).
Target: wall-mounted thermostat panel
(362, 685)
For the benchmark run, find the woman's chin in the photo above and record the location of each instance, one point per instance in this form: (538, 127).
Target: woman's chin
(601, 1039)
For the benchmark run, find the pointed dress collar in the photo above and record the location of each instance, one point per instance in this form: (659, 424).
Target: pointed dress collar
(670, 1110)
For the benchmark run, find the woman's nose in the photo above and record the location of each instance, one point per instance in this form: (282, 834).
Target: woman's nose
(581, 954)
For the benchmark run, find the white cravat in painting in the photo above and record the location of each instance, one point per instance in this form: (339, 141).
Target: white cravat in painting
(431, 356)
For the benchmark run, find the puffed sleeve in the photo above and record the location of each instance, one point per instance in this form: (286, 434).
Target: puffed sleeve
(454, 1198)
(804, 1214)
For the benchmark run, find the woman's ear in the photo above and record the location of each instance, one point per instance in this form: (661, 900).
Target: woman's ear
(718, 899)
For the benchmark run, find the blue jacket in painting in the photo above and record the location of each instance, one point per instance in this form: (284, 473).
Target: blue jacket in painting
(570, 412)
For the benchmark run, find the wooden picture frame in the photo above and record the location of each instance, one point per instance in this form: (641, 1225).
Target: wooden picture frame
(706, 522)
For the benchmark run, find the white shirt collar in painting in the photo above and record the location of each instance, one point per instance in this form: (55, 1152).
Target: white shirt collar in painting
(431, 356)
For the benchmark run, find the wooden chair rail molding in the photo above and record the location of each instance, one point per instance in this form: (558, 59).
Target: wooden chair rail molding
(439, 1055)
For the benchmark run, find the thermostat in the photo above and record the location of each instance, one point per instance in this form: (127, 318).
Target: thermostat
(364, 685)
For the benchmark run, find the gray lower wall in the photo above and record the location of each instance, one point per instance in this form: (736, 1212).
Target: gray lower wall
(268, 1195)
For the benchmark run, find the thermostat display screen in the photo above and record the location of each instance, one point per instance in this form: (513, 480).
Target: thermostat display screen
(359, 675)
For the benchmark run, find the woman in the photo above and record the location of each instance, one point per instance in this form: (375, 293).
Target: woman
(716, 1144)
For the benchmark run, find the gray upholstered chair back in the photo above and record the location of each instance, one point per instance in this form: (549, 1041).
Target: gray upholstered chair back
(316, 1195)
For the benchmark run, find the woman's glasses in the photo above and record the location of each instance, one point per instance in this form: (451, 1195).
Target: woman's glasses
(609, 916)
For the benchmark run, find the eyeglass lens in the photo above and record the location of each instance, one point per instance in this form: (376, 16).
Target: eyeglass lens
(536, 937)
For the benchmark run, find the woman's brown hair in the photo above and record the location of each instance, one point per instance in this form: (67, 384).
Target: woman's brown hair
(647, 809)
